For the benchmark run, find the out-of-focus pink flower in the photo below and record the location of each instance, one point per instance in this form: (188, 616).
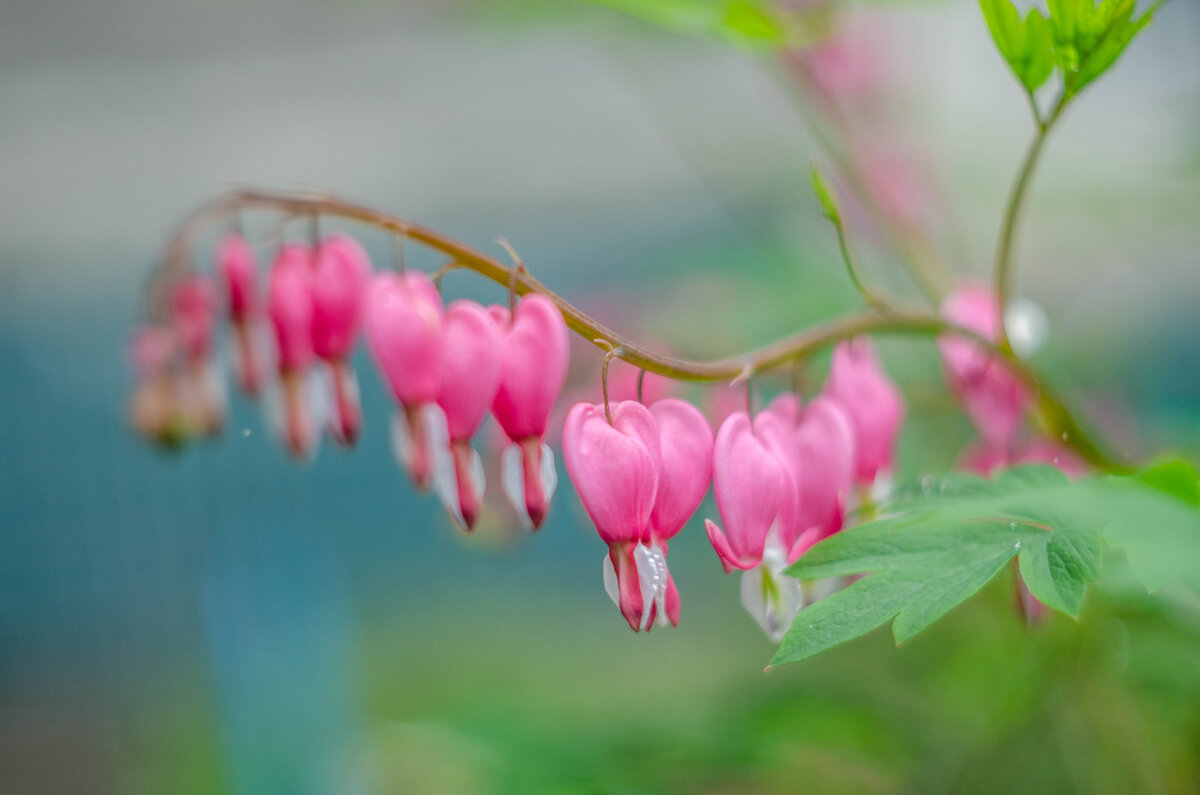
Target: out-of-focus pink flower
(826, 451)
(722, 401)
(238, 272)
(289, 307)
(992, 395)
(876, 408)
(339, 284)
(151, 349)
(787, 406)
(850, 66)
(237, 268)
(534, 360)
(752, 487)
(404, 323)
(153, 408)
(615, 469)
(469, 379)
(193, 312)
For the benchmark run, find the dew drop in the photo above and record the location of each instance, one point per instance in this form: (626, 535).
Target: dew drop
(1017, 545)
(1012, 525)
(245, 433)
(1066, 436)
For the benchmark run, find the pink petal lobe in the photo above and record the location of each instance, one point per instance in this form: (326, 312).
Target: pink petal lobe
(826, 451)
(289, 306)
(534, 355)
(614, 467)
(752, 487)
(404, 323)
(686, 443)
(238, 271)
(876, 408)
(339, 283)
(471, 362)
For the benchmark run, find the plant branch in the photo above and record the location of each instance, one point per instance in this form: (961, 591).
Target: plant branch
(1005, 266)
(178, 261)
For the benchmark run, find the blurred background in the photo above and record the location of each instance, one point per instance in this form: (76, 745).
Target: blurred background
(223, 620)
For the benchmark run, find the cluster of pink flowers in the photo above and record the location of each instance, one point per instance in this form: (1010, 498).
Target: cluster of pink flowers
(783, 481)
(446, 367)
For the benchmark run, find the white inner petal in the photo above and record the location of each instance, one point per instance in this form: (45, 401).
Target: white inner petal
(611, 587)
(401, 440)
(1028, 326)
(652, 578)
(771, 598)
(512, 477)
(547, 473)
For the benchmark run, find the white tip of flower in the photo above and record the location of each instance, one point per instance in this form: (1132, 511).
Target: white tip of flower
(771, 598)
(547, 473)
(610, 581)
(512, 481)
(1028, 326)
(652, 580)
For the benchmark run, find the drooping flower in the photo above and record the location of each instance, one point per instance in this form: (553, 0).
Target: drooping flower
(339, 282)
(534, 356)
(752, 487)
(991, 393)
(193, 315)
(235, 264)
(154, 408)
(290, 309)
(615, 469)
(876, 408)
(470, 376)
(404, 322)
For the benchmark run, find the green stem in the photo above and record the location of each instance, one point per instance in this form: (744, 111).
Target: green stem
(1005, 266)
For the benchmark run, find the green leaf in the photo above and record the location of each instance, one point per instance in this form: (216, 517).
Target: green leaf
(750, 23)
(1088, 38)
(1176, 477)
(1027, 46)
(941, 540)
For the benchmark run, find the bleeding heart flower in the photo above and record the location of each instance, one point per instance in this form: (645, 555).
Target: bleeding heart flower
(238, 271)
(876, 408)
(339, 284)
(470, 376)
(404, 322)
(993, 396)
(290, 309)
(534, 358)
(615, 469)
(752, 485)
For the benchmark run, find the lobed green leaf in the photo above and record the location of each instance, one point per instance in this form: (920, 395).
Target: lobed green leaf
(941, 541)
